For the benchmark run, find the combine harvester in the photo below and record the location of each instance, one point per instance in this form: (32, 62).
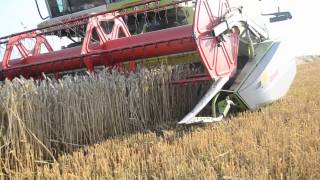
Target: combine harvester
(246, 68)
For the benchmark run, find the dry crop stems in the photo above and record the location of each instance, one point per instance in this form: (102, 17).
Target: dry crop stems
(41, 119)
(279, 142)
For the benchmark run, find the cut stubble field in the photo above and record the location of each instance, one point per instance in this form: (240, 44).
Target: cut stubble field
(281, 141)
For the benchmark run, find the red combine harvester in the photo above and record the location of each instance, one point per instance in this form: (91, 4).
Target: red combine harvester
(231, 48)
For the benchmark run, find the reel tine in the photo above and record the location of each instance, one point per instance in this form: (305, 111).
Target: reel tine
(155, 17)
(147, 22)
(126, 18)
(158, 10)
(176, 21)
(166, 15)
(136, 21)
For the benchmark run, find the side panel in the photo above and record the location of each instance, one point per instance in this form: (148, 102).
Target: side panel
(270, 79)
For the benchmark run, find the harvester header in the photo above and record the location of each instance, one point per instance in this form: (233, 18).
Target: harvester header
(233, 51)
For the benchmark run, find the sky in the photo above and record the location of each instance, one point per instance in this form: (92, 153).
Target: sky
(300, 33)
(18, 15)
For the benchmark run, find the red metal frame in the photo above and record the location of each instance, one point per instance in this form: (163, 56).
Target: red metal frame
(95, 24)
(218, 57)
(16, 41)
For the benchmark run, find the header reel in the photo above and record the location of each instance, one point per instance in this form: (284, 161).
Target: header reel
(117, 38)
